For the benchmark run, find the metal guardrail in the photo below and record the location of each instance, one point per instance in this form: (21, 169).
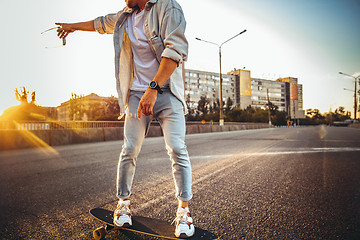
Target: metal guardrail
(12, 125)
(32, 125)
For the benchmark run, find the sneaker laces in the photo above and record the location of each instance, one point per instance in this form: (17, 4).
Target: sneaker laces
(181, 216)
(123, 208)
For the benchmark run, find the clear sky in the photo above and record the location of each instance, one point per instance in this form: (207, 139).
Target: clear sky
(310, 40)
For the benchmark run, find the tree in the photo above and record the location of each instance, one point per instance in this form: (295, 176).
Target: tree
(191, 111)
(340, 110)
(273, 108)
(216, 105)
(203, 105)
(77, 108)
(188, 101)
(340, 115)
(94, 110)
(314, 114)
(112, 105)
(33, 96)
(260, 115)
(234, 115)
(111, 110)
(22, 95)
(228, 105)
(279, 118)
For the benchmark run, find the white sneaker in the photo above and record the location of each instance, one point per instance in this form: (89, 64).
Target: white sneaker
(122, 214)
(184, 227)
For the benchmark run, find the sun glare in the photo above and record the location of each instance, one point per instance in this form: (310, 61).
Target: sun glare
(322, 132)
(37, 142)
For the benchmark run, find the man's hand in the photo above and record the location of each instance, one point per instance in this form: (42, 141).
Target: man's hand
(64, 29)
(147, 103)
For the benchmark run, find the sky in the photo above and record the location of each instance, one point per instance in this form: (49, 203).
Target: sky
(309, 40)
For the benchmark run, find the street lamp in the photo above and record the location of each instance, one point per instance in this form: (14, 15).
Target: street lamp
(355, 97)
(221, 121)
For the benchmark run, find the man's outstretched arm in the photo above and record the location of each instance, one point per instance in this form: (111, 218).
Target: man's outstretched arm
(66, 28)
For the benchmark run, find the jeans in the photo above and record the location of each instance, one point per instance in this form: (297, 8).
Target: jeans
(168, 110)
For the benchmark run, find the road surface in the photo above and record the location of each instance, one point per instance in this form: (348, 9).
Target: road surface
(280, 183)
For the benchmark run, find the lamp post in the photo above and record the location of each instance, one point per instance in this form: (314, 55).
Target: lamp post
(221, 120)
(355, 97)
(268, 100)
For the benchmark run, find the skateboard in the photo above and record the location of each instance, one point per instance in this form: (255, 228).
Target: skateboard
(143, 225)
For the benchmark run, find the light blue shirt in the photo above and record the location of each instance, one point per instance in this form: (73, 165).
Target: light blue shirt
(164, 27)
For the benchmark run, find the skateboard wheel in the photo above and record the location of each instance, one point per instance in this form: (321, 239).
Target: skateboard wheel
(99, 233)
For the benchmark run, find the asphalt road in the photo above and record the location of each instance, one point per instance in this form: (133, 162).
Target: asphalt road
(281, 183)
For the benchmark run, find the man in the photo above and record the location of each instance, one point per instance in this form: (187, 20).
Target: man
(150, 48)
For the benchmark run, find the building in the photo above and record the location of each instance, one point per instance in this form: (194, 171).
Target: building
(244, 91)
(243, 88)
(264, 91)
(63, 111)
(294, 99)
(200, 83)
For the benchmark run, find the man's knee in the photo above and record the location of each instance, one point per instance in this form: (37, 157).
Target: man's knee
(128, 153)
(177, 151)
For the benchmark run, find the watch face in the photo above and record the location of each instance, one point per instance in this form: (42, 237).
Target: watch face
(153, 84)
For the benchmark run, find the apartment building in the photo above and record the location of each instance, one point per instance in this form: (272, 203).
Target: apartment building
(263, 90)
(245, 91)
(294, 99)
(200, 83)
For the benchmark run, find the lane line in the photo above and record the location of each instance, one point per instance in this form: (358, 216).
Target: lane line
(198, 180)
(278, 152)
(243, 157)
(304, 151)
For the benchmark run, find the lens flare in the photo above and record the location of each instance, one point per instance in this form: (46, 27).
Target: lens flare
(34, 141)
(322, 132)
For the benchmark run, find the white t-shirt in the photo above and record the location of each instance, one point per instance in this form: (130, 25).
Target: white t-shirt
(145, 63)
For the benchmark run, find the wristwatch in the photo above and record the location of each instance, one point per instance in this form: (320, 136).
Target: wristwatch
(154, 85)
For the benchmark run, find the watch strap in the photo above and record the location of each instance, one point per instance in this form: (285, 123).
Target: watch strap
(157, 87)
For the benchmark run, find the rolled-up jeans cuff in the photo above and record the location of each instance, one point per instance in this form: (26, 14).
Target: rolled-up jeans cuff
(185, 199)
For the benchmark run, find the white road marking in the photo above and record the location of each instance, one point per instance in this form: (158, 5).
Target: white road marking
(243, 156)
(305, 151)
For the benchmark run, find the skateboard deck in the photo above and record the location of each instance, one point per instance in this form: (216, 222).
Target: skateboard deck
(143, 225)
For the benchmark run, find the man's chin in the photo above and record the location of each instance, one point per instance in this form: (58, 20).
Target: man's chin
(130, 6)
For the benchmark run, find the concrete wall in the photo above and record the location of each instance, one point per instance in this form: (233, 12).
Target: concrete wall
(17, 139)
